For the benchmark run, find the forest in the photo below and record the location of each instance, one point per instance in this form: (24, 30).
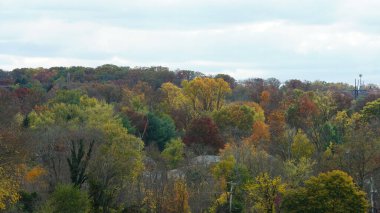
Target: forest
(149, 139)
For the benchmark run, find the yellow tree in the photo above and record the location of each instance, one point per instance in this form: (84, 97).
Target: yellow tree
(264, 191)
(206, 94)
(8, 189)
(301, 146)
(333, 191)
(176, 104)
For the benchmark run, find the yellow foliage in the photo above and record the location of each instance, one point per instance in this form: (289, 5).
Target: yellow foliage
(8, 189)
(206, 94)
(264, 191)
(260, 132)
(302, 147)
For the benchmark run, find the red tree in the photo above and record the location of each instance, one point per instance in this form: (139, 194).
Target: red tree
(204, 131)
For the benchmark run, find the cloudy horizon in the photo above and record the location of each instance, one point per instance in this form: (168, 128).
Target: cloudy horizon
(332, 40)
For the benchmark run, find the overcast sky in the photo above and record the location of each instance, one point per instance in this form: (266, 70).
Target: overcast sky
(330, 40)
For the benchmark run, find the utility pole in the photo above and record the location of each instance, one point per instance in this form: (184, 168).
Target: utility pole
(373, 191)
(231, 189)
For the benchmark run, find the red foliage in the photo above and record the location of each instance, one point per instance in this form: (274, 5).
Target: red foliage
(307, 107)
(22, 92)
(45, 76)
(204, 131)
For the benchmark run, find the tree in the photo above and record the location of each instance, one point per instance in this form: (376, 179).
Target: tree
(359, 154)
(160, 130)
(8, 189)
(203, 131)
(173, 152)
(263, 192)
(227, 78)
(78, 163)
(297, 171)
(176, 104)
(260, 132)
(237, 119)
(206, 94)
(67, 199)
(177, 198)
(333, 191)
(231, 177)
(301, 146)
(115, 164)
(371, 110)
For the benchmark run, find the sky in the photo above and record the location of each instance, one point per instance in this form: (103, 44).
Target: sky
(328, 40)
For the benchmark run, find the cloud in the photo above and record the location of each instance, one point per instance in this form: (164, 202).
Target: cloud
(284, 39)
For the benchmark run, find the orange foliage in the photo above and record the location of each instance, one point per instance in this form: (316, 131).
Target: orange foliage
(260, 132)
(34, 174)
(307, 106)
(277, 122)
(265, 98)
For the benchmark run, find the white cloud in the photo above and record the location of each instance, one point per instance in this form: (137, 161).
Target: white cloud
(245, 38)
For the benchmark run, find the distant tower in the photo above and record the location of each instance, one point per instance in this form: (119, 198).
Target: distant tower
(359, 87)
(68, 78)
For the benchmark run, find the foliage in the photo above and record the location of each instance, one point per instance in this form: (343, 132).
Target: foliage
(206, 94)
(35, 173)
(250, 134)
(333, 191)
(260, 132)
(297, 171)
(264, 191)
(371, 110)
(174, 152)
(301, 146)
(237, 119)
(8, 189)
(204, 131)
(160, 130)
(67, 199)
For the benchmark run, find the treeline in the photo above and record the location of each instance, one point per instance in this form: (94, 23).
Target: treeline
(121, 139)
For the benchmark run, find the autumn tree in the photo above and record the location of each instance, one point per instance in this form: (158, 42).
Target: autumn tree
(9, 189)
(301, 146)
(333, 191)
(176, 104)
(231, 176)
(174, 152)
(237, 119)
(206, 94)
(263, 192)
(372, 110)
(67, 199)
(260, 133)
(203, 131)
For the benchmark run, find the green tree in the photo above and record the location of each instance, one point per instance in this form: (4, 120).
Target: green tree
(116, 163)
(333, 191)
(160, 130)
(301, 146)
(67, 199)
(297, 171)
(173, 152)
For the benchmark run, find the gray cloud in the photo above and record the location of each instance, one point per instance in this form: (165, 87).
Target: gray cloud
(326, 40)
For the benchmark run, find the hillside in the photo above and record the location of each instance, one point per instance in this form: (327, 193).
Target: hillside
(148, 139)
